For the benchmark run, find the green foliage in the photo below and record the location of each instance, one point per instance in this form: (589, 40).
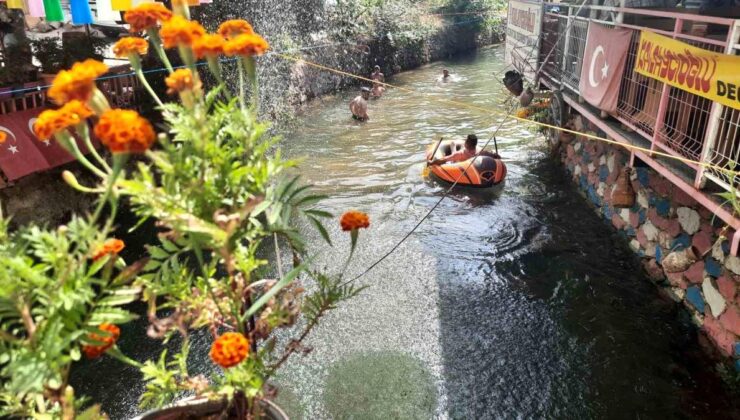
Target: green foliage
(215, 185)
(52, 296)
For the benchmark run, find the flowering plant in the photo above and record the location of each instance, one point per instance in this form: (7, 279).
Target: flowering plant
(221, 200)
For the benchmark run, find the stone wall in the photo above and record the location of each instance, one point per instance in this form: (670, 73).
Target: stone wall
(663, 222)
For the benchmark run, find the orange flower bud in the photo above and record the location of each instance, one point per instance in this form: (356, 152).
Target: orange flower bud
(246, 45)
(229, 349)
(181, 80)
(53, 121)
(110, 247)
(124, 131)
(146, 16)
(180, 31)
(77, 82)
(130, 45)
(208, 45)
(353, 219)
(235, 27)
(93, 352)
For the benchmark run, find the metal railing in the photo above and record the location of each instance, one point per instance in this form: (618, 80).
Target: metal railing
(674, 121)
(121, 92)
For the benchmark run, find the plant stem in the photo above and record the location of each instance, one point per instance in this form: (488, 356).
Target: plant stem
(93, 151)
(118, 161)
(70, 144)
(136, 64)
(201, 263)
(116, 353)
(291, 349)
(240, 65)
(277, 256)
(156, 42)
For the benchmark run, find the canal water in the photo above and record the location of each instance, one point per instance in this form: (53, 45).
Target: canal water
(525, 305)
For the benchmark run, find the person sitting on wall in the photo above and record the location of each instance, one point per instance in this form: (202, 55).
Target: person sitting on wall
(378, 88)
(469, 151)
(358, 106)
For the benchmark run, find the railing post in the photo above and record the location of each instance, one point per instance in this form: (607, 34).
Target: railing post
(710, 136)
(566, 47)
(664, 96)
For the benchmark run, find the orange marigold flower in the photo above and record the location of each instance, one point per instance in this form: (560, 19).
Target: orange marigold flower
(52, 121)
(77, 82)
(179, 30)
(353, 219)
(146, 16)
(181, 80)
(522, 113)
(130, 45)
(246, 45)
(208, 45)
(48, 123)
(93, 351)
(109, 247)
(229, 349)
(235, 27)
(124, 131)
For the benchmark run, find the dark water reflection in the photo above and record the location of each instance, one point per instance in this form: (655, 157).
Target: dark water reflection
(524, 305)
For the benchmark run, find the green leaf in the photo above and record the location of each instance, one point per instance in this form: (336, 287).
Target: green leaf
(169, 245)
(322, 230)
(319, 213)
(157, 253)
(310, 199)
(261, 207)
(275, 289)
(92, 413)
(97, 265)
(110, 315)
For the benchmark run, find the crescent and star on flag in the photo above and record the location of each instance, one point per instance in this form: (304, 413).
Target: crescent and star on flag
(604, 70)
(13, 148)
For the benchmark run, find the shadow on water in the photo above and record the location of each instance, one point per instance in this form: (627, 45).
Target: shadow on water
(557, 320)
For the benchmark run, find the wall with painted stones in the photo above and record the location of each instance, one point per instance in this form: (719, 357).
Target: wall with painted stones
(662, 224)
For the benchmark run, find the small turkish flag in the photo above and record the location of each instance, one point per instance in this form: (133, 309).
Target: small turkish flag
(604, 58)
(22, 153)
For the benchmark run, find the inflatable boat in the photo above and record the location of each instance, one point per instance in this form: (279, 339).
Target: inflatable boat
(485, 172)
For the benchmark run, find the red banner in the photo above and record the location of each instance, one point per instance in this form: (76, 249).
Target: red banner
(22, 153)
(604, 59)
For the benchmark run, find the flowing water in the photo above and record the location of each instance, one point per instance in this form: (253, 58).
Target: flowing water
(525, 305)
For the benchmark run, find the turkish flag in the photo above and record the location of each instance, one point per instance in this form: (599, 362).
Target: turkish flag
(603, 64)
(22, 153)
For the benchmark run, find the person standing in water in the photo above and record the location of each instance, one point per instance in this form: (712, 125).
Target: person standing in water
(378, 88)
(445, 76)
(358, 106)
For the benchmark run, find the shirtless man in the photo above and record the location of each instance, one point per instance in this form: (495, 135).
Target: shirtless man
(445, 76)
(469, 151)
(378, 89)
(358, 106)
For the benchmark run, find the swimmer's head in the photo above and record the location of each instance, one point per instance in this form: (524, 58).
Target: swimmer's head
(446, 73)
(471, 142)
(365, 92)
(377, 68)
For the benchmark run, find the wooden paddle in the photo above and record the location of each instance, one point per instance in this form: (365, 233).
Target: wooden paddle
(425, 172)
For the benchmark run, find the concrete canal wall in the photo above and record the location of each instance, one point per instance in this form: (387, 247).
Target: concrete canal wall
(664, 220)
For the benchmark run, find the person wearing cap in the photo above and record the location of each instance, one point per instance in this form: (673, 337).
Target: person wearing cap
(358, 106)
(378, 88)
